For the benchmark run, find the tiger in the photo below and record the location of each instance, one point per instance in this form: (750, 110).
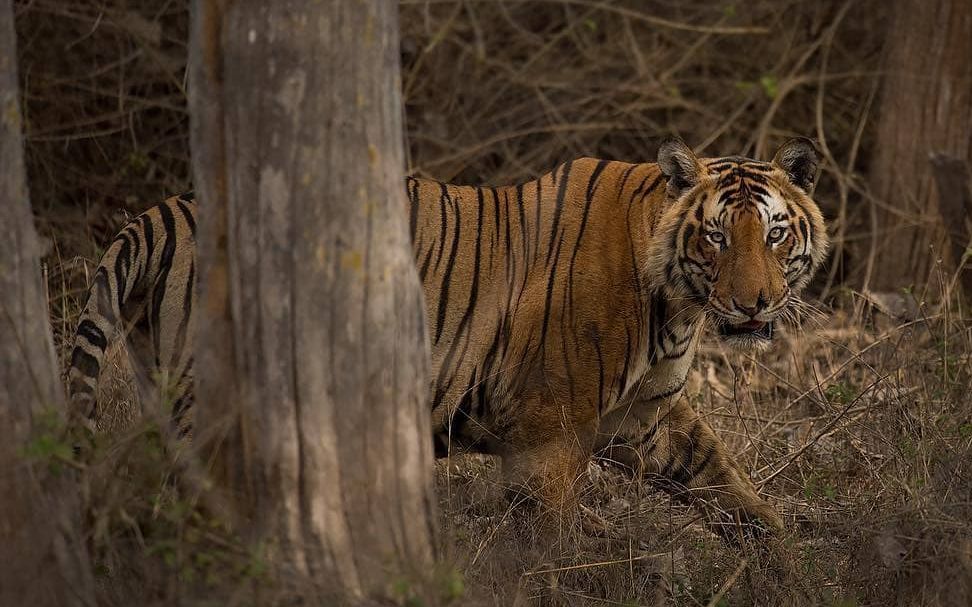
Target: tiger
(563, 313)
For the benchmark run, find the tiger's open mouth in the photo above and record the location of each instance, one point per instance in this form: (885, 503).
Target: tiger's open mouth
(754, 328)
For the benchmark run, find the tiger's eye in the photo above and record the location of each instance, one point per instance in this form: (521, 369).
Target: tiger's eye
(716, 237)
(776, 235)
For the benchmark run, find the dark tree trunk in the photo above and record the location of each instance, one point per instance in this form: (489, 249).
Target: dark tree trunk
(926, 108)
(955, 203)
(312, 358)
(43, 561)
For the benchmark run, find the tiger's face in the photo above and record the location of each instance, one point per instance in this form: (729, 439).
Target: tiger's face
(740, 237)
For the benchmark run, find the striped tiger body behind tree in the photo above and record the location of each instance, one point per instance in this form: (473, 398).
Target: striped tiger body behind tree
(143, 289)
(563, 313)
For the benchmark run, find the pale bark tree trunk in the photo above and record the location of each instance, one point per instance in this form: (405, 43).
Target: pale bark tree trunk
(42, 560)
(926, 108)
(312, 355)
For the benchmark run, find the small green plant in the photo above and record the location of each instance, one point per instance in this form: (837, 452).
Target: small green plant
(817, 487)
(51, 442)
(404, 593)
(771, 86)
(840, 393)
(447, 584)
(137, 163)
(453, 586)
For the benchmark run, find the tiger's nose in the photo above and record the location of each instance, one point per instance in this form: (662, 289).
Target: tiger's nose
(753, 310)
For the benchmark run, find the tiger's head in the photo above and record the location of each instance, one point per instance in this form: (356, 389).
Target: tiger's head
(739, 237)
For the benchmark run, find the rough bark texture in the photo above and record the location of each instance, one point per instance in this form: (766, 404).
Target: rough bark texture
(43, 562)
(926, 108)
(312, 351)
(955, 202)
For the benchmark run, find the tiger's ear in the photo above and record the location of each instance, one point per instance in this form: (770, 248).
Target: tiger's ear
(679, 164)
(798, 159)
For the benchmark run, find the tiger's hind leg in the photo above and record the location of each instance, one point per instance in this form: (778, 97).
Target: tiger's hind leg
(672, 445)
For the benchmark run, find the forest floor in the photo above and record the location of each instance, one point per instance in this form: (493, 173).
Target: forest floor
(859, 430)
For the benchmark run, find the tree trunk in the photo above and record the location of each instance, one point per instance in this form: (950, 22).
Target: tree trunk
(43, 559)
(926, 108)
(955, 200)
(312, 360)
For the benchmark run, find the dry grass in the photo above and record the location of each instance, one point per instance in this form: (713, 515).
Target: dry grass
(860, 429)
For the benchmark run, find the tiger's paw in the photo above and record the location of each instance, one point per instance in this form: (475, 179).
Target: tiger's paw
(757, 522)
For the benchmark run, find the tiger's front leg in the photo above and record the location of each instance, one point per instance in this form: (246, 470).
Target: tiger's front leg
(669, 442)
(546, 454)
